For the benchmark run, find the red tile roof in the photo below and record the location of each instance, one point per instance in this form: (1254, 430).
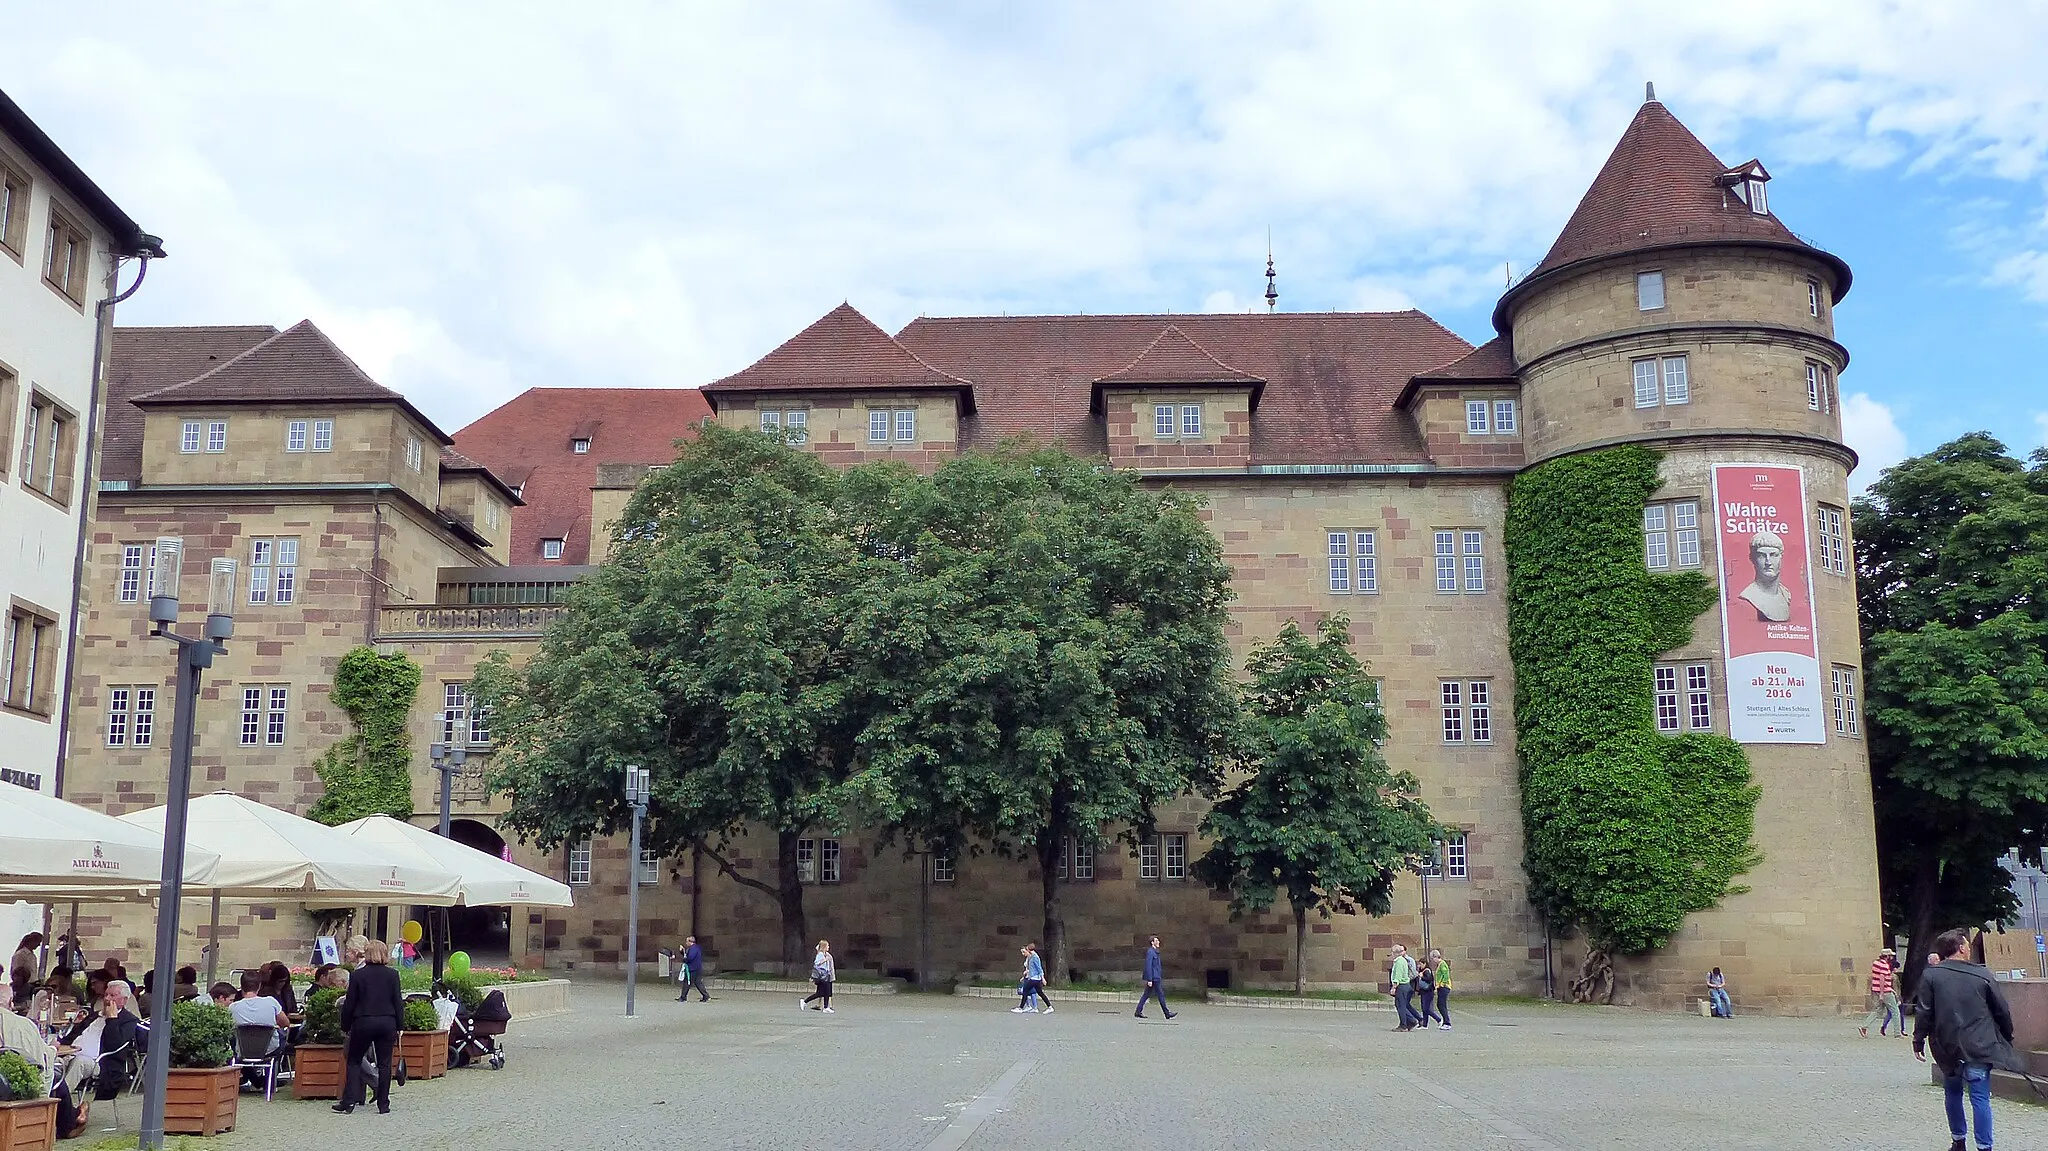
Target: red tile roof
(529, 441)
(147, 359)
(847, 349)
(1173, 358)
(1492, 360)
(1331, 378)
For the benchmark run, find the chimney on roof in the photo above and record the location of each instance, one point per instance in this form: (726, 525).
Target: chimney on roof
(1272, 293)
(1649, 92)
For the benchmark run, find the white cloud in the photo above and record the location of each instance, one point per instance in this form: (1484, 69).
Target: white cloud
(489, 196)
(1869, 428)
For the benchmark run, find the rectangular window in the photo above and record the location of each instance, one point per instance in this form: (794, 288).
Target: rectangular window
(48, 445)
(796, 426)
(580, 446)
(579, 863)
(259, 570)
(68, 265)
(1340, 562)
(650, 867)
(1671, 535)
(131, 572)
(942, 868)
(252, 715)
(323, 435)
(807, 861)
(1454, 711)
(828, 861)
(216, 436)
(878, 425)
(1191, 421)
(1446, 561)
(1162, 421)
(1676, 388)
(415, 458)
(1346, 550)
(144, 716)
(273, 570)
(1148, 859)
(1646, 383)
(14, 194)
(1842, 687)
(287, 555)
(1454, 856)
(117, 716)
(1176, 856)
(1649, 291)
(1084, 860)
(1667, 698)
(1812, 386)
(1699, 698)
(1475, 562)
(1504, 422)
(1758, 202)
(1476, 423)
(1685, 531)
(28, 660)
(551, 549)
(273, 720)
(263, 713)
(295, 436)
(454, 713)
(1834, 549)
(1813, 298)
(1479, 711)
(190, 437)
(1656, 537)
(771, 422)
(10, 397)
(906, 425)
(479, 721)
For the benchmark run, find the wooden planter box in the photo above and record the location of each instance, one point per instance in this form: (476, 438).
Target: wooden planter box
(317, 1071)
(29, 1125)
(201, 1101)
(425, 1053)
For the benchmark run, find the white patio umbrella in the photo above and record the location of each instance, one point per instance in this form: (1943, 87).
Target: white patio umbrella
(54, 849)
(270, 854)
(486, 880)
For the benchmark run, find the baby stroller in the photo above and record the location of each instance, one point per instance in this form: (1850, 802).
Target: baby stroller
(473, 1035)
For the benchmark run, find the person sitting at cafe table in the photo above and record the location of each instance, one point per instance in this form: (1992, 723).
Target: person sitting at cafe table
(277, 983)
(21, 1036)
(60, 984)
(257, 1009)
(101, 1043)
(188, 984)
(223, 994)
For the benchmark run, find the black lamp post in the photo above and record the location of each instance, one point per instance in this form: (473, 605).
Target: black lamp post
(636, 794)
(195, 655)
(448, 760)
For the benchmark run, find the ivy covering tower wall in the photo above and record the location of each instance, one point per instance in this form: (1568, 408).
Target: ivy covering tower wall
(371, 771)
(1628, 830)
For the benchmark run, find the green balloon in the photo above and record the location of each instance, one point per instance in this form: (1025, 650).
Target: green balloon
(458, 963)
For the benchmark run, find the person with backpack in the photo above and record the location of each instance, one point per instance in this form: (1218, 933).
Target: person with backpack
(822, 972)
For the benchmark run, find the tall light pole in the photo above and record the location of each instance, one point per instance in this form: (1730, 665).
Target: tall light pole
(195, 655)
(636, 794)
(448, 759)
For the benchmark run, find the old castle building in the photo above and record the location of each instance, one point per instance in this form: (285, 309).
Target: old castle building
(1350, 462)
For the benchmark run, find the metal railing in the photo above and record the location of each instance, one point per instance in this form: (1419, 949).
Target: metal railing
(465, 621)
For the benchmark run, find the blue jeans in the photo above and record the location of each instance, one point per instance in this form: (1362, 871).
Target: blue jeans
(1404, 1003)
(1720, 1000)
(1977, 1077)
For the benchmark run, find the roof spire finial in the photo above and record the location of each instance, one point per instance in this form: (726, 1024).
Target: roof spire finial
(1649, 92)
(1272, 293)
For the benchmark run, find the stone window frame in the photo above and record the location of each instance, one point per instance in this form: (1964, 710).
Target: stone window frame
(819, 859)
(650, 868)
(944, 869)
(31, 644)
(793, 424)
(552, 548)
(1478, 417)
(1354, 561)
(1820, 387)
(1457, 856)
(1077, 859)
(577, 872)
(17, 191)
(1664, 524)
(216, 437)
(1661, 393)
(1175, 420)
(1466, 707)
(273, 570)
(1651, 276)
(897, 424)
(1830, 523)
(1814, 303)
(1684, 696)
(1506, 419)
(49, 448)
(131, 715)
(10, 403)
(415, 453)
(1843, 701)
(63, 234)
(323, 436)
(265, 711)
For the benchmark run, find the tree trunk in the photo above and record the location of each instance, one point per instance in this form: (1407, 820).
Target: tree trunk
(1595, 982)
(1925, 904)
(1054, 948)
(1300, 950)
(790, 896)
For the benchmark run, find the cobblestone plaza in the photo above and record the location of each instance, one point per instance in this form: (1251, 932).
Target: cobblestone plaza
(927, 1071)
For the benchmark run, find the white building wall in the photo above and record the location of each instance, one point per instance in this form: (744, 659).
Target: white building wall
(46, 341)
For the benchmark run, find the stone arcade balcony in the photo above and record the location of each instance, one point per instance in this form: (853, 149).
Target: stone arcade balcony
(485, 604)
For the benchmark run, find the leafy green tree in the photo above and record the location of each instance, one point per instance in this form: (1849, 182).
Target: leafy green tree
(369, 773)
(1043, 657)
(1952, 584)
(710, 649)
(1319, 815)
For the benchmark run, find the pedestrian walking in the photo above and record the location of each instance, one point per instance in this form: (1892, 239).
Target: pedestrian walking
(1884, 995)
(1441, 967)
(1155, 981)
(1033, 985)
(692, 972)
(822, 973)
(370, 1015)
(1960, 1010)
(1401, 981)
(1425, 993)
(1717, 992)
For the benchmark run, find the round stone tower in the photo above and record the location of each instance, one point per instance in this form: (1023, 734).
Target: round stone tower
(1675, 311)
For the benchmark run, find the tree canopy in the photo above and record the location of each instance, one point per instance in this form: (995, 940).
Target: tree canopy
(1318, 815)
(1952, 584)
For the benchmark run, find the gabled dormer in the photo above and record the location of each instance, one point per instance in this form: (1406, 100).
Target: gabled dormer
(1177, 406)
(1745, 183)
(1469, 411)
(847, 390)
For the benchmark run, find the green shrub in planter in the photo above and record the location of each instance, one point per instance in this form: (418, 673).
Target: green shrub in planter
(202, 1034)
(420, 1016)
(323, 1017)
(24, 1078)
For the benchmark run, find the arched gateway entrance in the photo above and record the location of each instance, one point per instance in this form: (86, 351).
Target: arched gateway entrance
(484, 932)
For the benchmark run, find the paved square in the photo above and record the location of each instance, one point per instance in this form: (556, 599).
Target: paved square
(749, 1070)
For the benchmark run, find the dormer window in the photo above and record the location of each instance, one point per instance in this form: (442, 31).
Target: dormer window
(551, 549)
(1757, 202)
(580, 447)
(1746, 181)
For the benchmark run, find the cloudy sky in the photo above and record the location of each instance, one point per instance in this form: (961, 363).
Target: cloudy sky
(476, 198)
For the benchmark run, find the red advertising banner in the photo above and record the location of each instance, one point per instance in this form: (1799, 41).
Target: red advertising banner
(1771, 652)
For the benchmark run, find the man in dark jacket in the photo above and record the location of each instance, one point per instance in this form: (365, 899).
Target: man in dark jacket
(1964, 1013)
(693, 971)
(1155, 981)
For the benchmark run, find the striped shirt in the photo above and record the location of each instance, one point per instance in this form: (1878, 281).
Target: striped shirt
(1881, 977)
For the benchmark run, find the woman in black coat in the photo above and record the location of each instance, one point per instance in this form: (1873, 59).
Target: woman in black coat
(370, 1013)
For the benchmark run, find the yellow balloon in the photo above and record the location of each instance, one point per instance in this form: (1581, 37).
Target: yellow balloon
(412, 931)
